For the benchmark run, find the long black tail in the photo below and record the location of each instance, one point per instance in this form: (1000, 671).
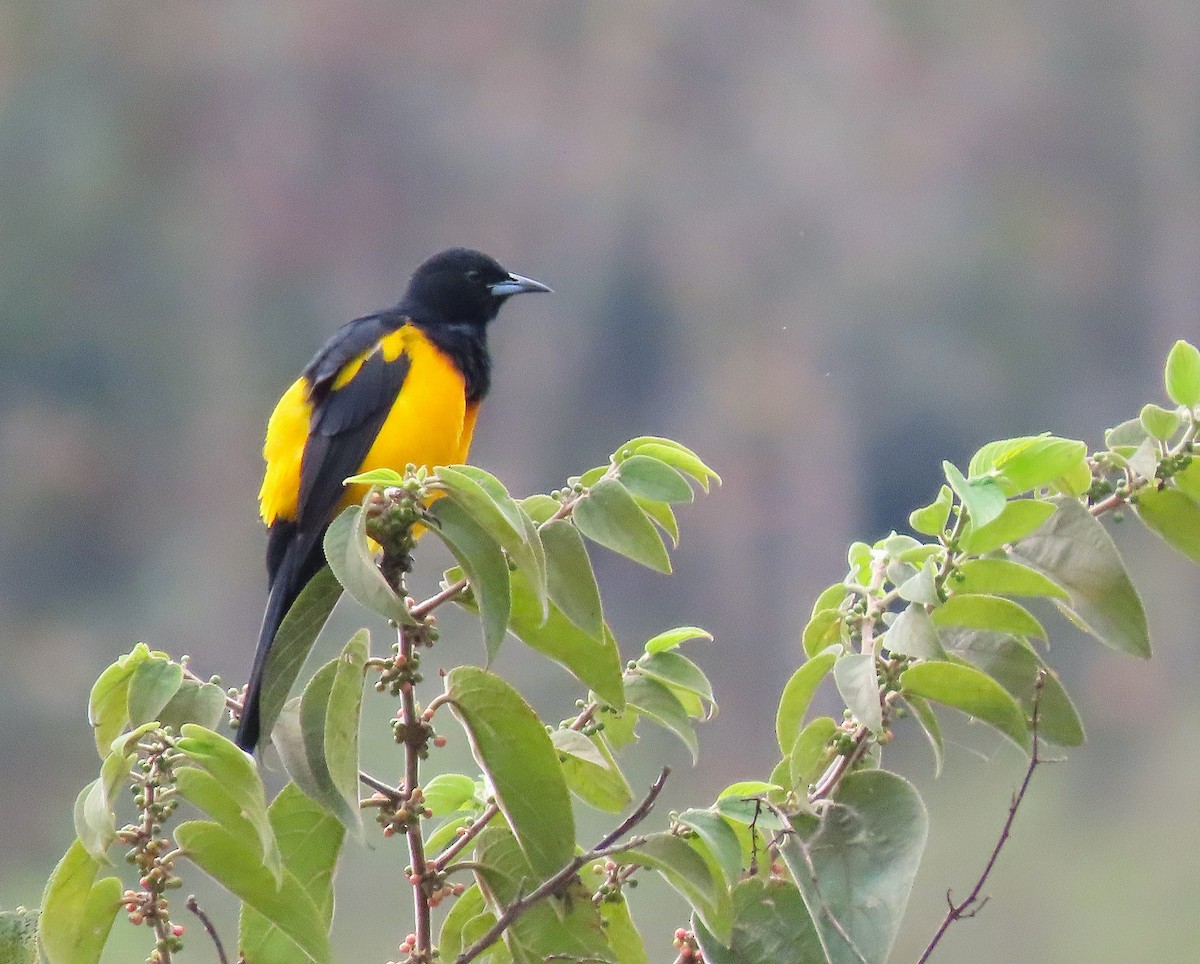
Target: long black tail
(295, 557)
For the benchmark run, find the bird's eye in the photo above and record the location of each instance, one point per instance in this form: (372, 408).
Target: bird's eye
(473, 275)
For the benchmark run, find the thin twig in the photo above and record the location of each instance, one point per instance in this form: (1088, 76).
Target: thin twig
(470, 832)
(554, 884)
(194, 907)
(973, 904)
(413, 744)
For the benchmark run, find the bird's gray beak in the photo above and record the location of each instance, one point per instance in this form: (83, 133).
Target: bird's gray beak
(516, 284)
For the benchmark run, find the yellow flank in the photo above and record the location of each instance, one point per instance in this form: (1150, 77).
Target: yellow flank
(429, 423)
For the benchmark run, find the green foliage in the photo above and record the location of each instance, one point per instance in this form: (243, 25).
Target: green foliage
(813, 864)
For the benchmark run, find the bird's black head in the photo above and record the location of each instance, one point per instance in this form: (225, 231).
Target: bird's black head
(462, 286)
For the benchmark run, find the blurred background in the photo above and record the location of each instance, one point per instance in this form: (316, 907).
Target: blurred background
(826, 244)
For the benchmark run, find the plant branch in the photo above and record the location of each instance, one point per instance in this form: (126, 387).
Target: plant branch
(413, 743)
(469, 833)
(973, 904)
(558, 881)
(194, 907)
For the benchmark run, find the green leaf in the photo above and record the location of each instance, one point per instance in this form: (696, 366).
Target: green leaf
(855, 868)
(446, 793)
(482, 560)
(672, 453)
(921, 587)
(719, 838)
(570, 580)
(238, 779)
(810, 753)
(823, 630)
(95, 817)
(655, 480)
(1074, 550)
(771, 925)
(858, 682)
(982, 498)
(451, 942)
(18, 936)
(926, 718)
(540, 508)
(108, 704)
(688, 872)
(595, 663)
(672, 638)
(1014, 664)
(591, 772)
(622, 935)
(310, 840)
(1126, 437)
(1174, 516)
(663, 516)
(1033, 462)
(1161, 423)
(1018, 520)
(654, 700)
(678, 672)
(987, 612)
(797, 695)
(561, 927)
(77, 909)
(514, 750)
(294, 641)
(1003, 577)
(744, 803)
(830, 598)
(320, 745)
(1187, 479)
(375, 477)
(195, 702)
(931, 520)
(972, 691)
(283, 902)
(609, 515)
(913, 634)
(350, 558)
(1182, 375)
(486, 499)
(153, 683)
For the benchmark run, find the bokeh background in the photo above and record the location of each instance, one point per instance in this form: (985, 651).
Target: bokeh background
(827, 244)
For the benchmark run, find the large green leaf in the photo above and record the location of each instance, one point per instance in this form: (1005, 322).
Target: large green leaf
(310, 840)
(823, 629)
(1182, 375)
(194, 702)
(719, 838)
(1174, 516)
(670, 452)
(1003, 577)
(656, 701)
(95, 817)
(294, 640)
(594, 662)
(655, 480)
(622, 935)
(858, 681)
(77, 909)
(153, 683)
(688, 872)
(512, 747)
(982, 498)
(972, 691)
(561, 927)
(1019, 518)
(797, 695)
(591, 772)
(284, 903)
(810, 753)
(324, 761)
(913, 634)
(1032, 462)
(108, 704)
(482, 560)
(349, 556)
(609, 515)
(483, 497)
(569, 577)
(241, 789)
(931, 520)
(446, 793)
(1074, 550)
(1014, 664)
(673, 638)
(855, 868)
(679, 673)
(988, 612)
(771, 925)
